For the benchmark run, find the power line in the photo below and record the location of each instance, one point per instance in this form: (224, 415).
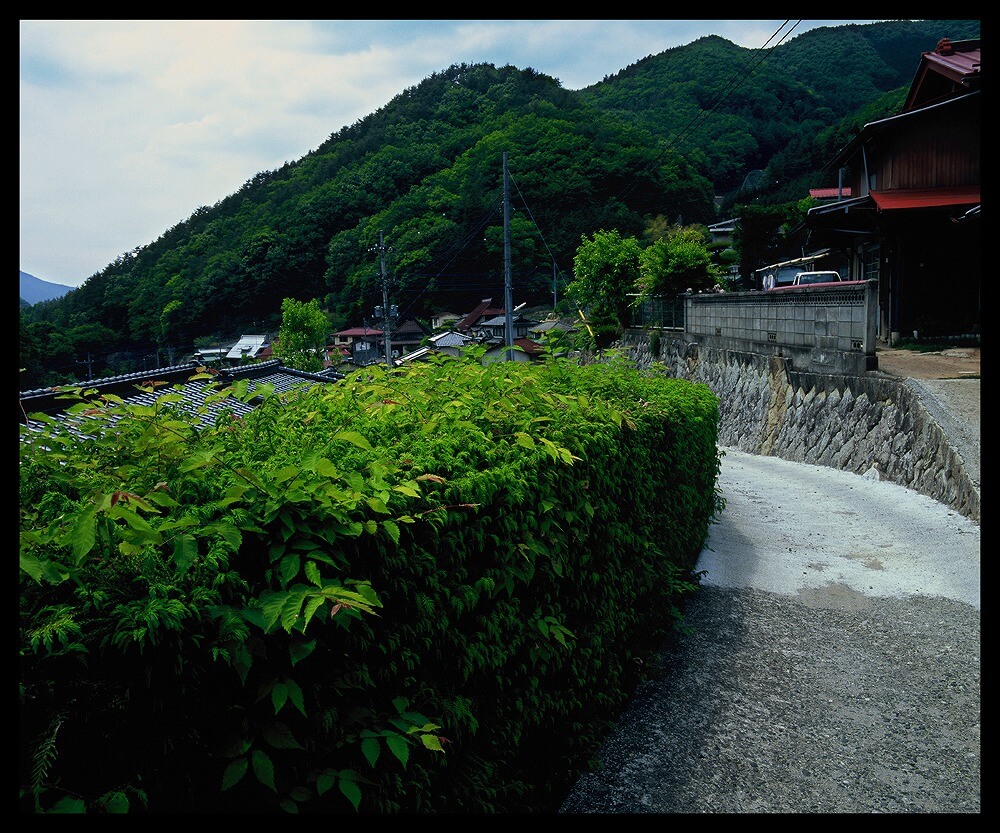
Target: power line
(758, 57)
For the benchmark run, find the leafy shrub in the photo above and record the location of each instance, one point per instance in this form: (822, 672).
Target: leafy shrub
(414, 591)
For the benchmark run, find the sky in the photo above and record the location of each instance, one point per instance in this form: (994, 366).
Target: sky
(127, 127)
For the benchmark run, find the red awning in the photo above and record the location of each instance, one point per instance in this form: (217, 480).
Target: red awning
(926, 197)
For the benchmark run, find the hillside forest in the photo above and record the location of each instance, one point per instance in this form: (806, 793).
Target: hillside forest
(700, 133)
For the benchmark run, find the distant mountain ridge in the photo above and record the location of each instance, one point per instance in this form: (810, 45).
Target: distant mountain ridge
(35, 289)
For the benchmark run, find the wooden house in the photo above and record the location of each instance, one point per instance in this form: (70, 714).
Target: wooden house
(913, 223)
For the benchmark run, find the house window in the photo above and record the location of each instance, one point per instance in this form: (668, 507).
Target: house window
(869, 262)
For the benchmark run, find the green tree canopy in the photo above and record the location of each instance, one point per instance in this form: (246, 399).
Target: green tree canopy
(676, 262)
(302, 336)
(605, 271)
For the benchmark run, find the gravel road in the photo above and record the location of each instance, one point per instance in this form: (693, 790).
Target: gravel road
(832, 664)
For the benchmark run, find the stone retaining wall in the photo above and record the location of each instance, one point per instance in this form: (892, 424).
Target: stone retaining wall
(852, 423)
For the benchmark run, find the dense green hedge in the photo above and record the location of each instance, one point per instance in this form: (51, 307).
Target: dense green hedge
(420, 591)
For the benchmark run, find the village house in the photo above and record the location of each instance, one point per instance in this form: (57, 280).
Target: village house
(913, 222)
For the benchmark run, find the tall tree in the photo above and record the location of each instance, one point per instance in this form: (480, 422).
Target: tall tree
(677, 262)
(605, 271)
(302, 336)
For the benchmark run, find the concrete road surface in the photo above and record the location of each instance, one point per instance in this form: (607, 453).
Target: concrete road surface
(830, 538)
(832, 663)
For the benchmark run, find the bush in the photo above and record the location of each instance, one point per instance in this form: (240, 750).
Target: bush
(414, 591)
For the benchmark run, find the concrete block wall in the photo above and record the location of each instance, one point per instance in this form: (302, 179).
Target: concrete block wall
(851, 423)
(822, 328)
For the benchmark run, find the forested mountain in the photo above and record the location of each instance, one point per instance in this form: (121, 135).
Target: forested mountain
(35, 289)
(660, 139)
(732, 111)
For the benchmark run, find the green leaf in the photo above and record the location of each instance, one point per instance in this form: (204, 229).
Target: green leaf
(293, 607)
(199, 459)
(295, 695)
(432, 742)
(236, 748)
(279, 696)
(271, 605)
(280, 736)
(377, 505)
(161, 499)
(68, 804)
(289, 567)
(234, 773)
(116, 803)
(524, 440)
(325, 780)
(185, 552)
(263, 769)
(399, 747)
(312, 573)
(354, 438)
(301, 794)
(82, 534)
(393, 530)
(312, 605)
(327, 469)
(135, 522)
(251, 476)
(288, 805)
(298, 651)
(371, 749)
(286, 473)
(32, 566)
(350, 789)
(228, 532)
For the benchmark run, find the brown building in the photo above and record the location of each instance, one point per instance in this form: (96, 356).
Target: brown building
(914, 222)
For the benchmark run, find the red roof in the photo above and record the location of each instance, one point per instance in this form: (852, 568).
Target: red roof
(952, 69)
(359, 331)
(829, 193)
(926, 197)
(478, 314)
(532, 348)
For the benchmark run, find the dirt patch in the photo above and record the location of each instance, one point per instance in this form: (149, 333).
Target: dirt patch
(952, 363)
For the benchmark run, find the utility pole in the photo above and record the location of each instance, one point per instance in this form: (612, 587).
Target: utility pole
(389, 313)
(90, 367)
(508, 295)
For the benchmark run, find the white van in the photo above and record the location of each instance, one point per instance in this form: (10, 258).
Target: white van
(809, 278)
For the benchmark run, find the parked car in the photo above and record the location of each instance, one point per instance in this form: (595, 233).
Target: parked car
(810, 278)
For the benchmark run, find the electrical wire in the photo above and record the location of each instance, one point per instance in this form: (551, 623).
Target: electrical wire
(758, 57)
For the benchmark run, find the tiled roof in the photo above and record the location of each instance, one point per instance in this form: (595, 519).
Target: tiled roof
(174, 379)
(450, 339)
(411, 325)
(501, 320)
(359, 331)
(829, 193)
(955, 62)
(478, 313)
